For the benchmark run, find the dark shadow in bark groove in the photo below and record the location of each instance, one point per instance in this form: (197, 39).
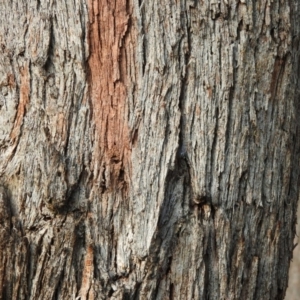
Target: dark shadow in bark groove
(79, 246)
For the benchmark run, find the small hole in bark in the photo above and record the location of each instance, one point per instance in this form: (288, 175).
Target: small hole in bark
(171, 291)
(111, 291)
(47, 133)
(121, 175)
(217, 16)
(135, 137)
(126, 296)
(39, 250)
(273, 35)
(202, 199)
(46, 218)
(115, 159)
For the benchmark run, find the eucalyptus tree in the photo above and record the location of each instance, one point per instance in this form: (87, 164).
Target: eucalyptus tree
(149, 149)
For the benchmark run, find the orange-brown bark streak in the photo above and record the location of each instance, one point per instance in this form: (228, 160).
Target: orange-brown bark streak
(107, 79)
(87, 274)
(23, 101)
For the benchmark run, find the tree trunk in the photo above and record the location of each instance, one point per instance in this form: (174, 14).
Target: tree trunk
(148, 149)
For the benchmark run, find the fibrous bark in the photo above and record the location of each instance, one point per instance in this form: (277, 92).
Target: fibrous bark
(148, 149)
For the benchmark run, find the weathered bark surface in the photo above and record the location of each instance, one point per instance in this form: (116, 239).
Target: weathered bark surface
(148, 149)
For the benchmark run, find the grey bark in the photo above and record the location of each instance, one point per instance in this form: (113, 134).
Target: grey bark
(148, 149)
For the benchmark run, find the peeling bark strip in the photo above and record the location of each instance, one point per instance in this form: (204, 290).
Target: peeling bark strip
(87, 274)
(109, 23)
(23, 101)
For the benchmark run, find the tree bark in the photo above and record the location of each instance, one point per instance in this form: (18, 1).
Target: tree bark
(148, 149)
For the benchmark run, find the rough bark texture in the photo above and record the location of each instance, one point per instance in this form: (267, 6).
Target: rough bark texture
(148, 149)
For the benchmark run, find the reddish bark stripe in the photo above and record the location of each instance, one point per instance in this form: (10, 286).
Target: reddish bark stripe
(108, 25)
(23, 101)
